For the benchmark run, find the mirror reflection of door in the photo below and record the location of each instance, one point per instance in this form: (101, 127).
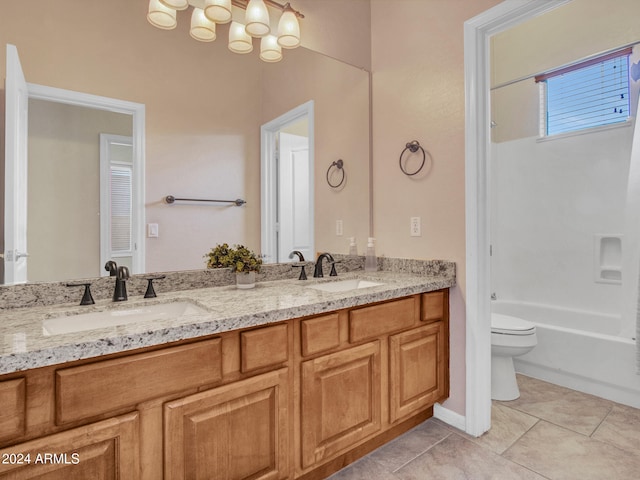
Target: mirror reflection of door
(15, 173)
(63, 232)
(287, 184)
(117, 222)
(60, 215)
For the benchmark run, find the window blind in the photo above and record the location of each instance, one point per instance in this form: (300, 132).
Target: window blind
(121, 212)
(587, 95)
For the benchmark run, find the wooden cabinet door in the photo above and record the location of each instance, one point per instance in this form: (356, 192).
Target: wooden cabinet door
(341, 397)
(107, 450)
(417, 369)
(237, 431)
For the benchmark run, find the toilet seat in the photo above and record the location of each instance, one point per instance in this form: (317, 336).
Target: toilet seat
(508, 325)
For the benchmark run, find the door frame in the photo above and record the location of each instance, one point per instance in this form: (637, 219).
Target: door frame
(269, 177)
(477, 69)
(137, 112)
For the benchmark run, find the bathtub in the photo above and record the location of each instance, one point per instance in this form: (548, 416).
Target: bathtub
(577, 349)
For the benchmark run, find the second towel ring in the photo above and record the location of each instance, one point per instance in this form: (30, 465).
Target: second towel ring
(413, 147)
(339, 164)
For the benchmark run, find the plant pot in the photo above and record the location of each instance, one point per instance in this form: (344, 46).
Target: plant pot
(245, 280)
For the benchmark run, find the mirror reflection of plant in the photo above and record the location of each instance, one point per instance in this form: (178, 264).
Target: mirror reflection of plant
(238, 258)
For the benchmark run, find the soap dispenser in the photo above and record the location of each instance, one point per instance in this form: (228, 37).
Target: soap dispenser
(370, 261)
(353, 248)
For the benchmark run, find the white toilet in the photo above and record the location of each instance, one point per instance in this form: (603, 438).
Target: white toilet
(510, 337)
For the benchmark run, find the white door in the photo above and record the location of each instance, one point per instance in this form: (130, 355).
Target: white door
(117, 215)
(15, 201)
(294, 176)
(287, 197)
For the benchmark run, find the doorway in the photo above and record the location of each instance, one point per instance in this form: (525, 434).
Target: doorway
(287, 178)
(16, 187)
(477, 32)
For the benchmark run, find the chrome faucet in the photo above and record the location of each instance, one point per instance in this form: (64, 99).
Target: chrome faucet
(317, 272)
(120, 291)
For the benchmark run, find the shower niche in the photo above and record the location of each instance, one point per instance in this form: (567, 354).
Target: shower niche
(608, 259)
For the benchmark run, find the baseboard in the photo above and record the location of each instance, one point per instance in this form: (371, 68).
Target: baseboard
(449, 417)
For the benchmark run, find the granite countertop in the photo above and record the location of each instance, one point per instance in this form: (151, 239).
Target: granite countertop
(26, 345)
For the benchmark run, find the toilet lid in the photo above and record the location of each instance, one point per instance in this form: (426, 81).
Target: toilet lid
(509, 325)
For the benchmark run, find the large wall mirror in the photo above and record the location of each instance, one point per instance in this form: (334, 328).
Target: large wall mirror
(204, 108)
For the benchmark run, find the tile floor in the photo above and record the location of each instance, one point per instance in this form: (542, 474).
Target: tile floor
(550, 432)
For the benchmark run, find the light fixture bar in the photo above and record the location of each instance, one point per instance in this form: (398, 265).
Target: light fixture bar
(243, 4)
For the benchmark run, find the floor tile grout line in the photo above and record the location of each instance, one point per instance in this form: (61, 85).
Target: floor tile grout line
(523, 434)
(602, 421)
(422, 453)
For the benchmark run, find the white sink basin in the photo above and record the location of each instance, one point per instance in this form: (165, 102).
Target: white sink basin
(345, 285)
(113, 318)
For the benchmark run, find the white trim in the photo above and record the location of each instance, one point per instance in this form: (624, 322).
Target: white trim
(586, 131)
(477, 33)
(449, 417)
(137, 112)
(268, 177)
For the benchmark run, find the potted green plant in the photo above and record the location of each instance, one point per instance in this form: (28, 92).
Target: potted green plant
(239, 259)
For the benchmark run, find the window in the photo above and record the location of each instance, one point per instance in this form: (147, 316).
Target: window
(590, 94)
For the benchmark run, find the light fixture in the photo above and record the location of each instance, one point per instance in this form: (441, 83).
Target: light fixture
(218, 11)
(257, 19)
(239, 39)
(270, 51)
(176, 4)
(161, 16)
(202, 29)
(288, 28)
(206, 13)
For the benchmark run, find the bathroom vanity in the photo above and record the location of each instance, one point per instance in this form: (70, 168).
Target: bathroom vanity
(282, 382)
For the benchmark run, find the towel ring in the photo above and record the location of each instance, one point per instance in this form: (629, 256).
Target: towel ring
(339, 164)
(413, 147)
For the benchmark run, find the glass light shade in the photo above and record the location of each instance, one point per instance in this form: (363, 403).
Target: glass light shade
(161, 16)
(218, 11)
(270, 51)
(239, 39)
(175, 4)
(257, 19)
(288, 29)
(202, 29)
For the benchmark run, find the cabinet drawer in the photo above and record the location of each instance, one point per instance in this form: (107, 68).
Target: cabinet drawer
(104, 450)
(264, 347)
(89, 390)
(320, 334)
(370, 322)
(12, 413)
(434, 306)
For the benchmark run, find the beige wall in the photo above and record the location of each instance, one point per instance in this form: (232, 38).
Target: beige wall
(338, 28)
(571, 32)
(341, 131)
(418, 94)
(579, 29)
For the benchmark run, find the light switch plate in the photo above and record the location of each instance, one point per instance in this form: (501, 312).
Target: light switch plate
(152, 230)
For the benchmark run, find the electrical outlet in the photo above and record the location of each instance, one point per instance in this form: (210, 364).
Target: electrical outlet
(415, 227)
(339, 228)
